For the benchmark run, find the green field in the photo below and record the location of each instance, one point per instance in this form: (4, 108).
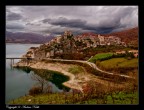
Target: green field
(100, 56)
(75, 69)
(63, 98)
(119, 63)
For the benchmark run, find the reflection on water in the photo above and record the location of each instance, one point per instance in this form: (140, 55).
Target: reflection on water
(19, 82)
(52, 76)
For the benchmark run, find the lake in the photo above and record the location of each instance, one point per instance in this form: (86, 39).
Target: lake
(19, 82)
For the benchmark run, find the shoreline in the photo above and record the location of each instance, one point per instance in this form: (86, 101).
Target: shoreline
(73, 83)
(76, 81)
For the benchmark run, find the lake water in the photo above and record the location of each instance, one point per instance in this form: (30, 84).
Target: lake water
(18, 82)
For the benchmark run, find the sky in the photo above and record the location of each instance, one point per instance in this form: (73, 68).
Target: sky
(55, 20)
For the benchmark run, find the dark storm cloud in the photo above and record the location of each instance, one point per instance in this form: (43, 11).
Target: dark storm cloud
(79, 19)
(82, 24)
(33, 24)
(13, 16)
(71, 23)
(64, 22)
(109, 20)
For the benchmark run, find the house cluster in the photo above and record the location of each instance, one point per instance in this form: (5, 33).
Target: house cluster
(67, 43)
(95, 40)
(135, 52)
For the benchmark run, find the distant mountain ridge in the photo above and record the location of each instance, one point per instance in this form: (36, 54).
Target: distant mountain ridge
(129, 36)
(20, 37)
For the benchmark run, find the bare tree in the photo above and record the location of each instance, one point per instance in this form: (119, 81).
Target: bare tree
(41, 81)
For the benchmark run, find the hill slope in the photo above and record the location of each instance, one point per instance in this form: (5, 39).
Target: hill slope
(26, 38)
(129, 36)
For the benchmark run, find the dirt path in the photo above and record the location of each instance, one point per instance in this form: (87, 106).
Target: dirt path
(93, 66)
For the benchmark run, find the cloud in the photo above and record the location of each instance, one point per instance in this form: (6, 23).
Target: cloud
(82, 24)
(13, 16)
(64, 22)
(79, 19)
(15, 26)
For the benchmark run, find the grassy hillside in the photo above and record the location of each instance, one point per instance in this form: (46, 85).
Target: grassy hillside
(64, 98)
(120, 65)
(76, 70)
(100, 56)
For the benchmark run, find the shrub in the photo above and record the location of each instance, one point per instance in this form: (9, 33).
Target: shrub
(35, 91)
(118, 55)
(126, 55)
(75, 69)
(129, 58)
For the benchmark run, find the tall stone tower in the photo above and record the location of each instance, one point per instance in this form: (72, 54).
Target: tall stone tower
(67, 33)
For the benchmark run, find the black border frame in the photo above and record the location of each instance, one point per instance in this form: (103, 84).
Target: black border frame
(141, 52)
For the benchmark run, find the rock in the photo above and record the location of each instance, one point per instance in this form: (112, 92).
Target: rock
(29, 100)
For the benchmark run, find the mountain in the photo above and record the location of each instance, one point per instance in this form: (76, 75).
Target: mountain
(20, 37)
(129, 36)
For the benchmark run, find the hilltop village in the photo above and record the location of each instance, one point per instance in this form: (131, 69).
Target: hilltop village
(69, 44)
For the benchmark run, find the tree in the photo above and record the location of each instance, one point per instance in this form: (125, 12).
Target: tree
(41, 81)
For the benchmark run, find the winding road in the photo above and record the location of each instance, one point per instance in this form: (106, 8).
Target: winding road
(92, 65)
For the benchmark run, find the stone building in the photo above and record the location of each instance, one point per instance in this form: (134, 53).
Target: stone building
(66, 34)
(101, 39)
(135, 52)
(58, 39)
(39, 55)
